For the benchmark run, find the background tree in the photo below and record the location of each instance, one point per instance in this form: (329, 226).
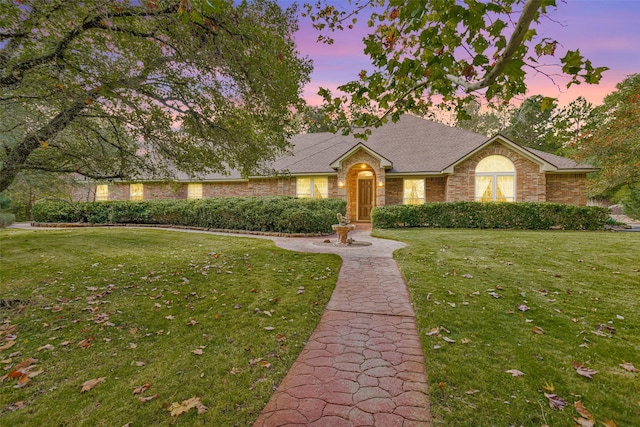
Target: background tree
(532, 126)
(492, 121)
(115, 89)
(443, 51)
(611, 140)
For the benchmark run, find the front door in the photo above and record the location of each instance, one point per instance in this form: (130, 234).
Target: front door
(365, 199)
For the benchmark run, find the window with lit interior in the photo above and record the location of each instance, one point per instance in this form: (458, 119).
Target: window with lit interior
(312, 187)
(102, 193)
(136, 192)
(413, 193)
(495, 180)
(194, 190)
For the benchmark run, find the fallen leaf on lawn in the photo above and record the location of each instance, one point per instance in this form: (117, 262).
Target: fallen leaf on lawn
(265, 364)
(465, 341)
(139, 364)
(65, 343)
(269, 328)
(56, 308)
(452, 304)
(268, 313)
(281, 338)
(133, 331)
(148, 398)
(35, 373)
(85, 343)
(585, 372)
(548, 387)
(256, 382)
(555, 402)
(472, 391)
(25, 363)
(8, 345)
(178, 409)
(434, 331)
(449, 340)
(467, 276)
(537, 330)
(629, 367)
(515, 373)
(23, 380)
(197, 351)
(523, 307)
(46, 347)
(495, 295)
(169, 317)
(475, 293)
(88, 385)
(254, 361)
(584, 413)
(133, 345)
(234, 371)
(609, 423)
(192, 322)
(584, 422)
(141, 389)
(15, 406)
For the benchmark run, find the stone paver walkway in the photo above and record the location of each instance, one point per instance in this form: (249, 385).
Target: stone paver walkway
(363, 365)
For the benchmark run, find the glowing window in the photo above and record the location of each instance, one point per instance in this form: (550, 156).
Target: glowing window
(136, 192)
(194, 190)
(495, 180)
(102, 193)
(413, 193)
(312, 188)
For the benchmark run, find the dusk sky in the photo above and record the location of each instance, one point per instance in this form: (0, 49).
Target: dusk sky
(606, 31)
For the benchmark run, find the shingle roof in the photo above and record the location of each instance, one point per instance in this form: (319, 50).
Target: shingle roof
(413, 145)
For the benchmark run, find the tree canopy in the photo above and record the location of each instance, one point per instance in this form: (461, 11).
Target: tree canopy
(115, 89)
(611, 138)
(428, 52)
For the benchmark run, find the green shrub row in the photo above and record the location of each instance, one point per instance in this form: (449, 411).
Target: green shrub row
(267, 214)
(524, 215)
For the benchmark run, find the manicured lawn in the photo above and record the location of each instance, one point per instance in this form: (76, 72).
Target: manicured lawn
(535, 302)
(190, 315)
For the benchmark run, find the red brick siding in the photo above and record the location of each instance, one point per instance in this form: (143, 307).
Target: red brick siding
(567, 188)
(435, 189)
(530, 182)
(394, 191)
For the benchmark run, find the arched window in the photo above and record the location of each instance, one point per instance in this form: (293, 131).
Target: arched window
(495, 180)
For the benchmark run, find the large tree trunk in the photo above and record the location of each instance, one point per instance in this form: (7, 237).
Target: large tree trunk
(17, 156)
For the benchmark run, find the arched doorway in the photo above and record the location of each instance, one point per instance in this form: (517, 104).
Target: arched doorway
(365, 194)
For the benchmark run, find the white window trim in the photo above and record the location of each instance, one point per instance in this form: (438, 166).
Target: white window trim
(311, 192)
(494, 182)
(131, 191)
(106, 195)
(424, 196)
(191, 187)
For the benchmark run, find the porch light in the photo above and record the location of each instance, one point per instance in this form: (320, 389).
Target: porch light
(380, 184)
(340, 184)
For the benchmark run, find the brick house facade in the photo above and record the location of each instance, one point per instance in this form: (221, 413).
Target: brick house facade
(411, 161)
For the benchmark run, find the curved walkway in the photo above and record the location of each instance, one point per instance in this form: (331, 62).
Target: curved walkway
(363, 365)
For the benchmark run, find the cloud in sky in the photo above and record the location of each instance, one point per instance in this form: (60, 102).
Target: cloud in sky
(606, 32)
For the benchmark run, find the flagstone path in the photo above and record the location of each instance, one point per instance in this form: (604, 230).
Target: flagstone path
(363, 365)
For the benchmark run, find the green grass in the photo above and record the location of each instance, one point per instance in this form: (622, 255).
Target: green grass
(576, 285)
(131, 295)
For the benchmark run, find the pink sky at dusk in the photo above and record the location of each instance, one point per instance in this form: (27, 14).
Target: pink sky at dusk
(606, 31)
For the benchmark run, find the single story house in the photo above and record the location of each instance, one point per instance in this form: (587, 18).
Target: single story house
(411, 161)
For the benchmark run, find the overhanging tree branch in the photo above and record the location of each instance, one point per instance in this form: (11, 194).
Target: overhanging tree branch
(529, 12)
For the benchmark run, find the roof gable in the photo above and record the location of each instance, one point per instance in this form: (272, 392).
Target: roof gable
(384, 162)
(548, 162)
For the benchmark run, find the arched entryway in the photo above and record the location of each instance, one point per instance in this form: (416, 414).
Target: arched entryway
(361, 182)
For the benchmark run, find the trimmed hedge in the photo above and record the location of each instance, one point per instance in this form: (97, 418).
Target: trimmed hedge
(522, 215)
(266, 214)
